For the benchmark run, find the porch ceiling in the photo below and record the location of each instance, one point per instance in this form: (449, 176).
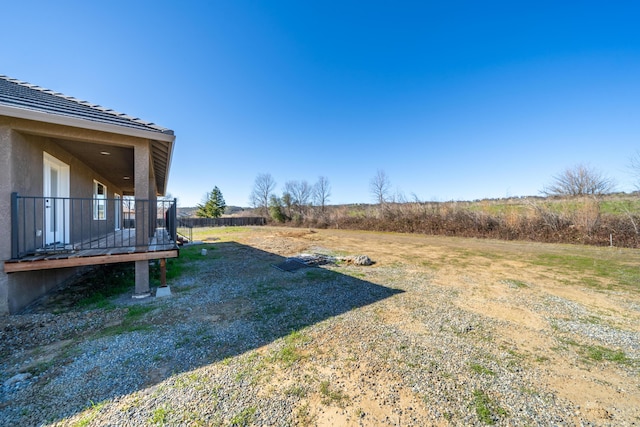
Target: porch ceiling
(115, 166)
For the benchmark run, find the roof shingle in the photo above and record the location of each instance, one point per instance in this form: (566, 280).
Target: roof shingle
(18, 94)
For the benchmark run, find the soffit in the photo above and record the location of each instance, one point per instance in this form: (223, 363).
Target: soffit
(114, 163)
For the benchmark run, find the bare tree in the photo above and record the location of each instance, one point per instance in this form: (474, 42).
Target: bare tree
(263, 187)
(580, 180)
(321, 192)
(301, 193)
(380, 187)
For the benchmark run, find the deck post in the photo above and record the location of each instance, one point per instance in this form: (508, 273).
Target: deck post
(142, 168)
(163, 272)
(142, 280)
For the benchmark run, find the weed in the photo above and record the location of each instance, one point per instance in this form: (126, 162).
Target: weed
(244, 418)
(252, 368)
(93, 412)
(479, 369)
(135, 312)
(296, 391)
(541, 359)
(486, 409)
(599, 353)
(289, 354)
(329, 396)
(191, 380)
(124, 328)
(159, 416)
(303, 415)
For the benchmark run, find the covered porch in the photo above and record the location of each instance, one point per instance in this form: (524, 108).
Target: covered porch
(60, 232)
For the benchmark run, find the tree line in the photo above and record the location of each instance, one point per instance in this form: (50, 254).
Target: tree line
(538, 218)
(298, 200)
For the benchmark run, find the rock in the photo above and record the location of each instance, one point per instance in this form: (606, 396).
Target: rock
(360, 260)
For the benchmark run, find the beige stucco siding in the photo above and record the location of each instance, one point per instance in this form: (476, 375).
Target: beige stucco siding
(21, 170)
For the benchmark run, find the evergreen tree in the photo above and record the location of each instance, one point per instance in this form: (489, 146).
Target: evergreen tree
(212, 206)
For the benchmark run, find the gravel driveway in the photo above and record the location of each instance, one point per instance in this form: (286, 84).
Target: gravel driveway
(436, 332)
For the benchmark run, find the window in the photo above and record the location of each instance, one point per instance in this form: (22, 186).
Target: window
(99, 201)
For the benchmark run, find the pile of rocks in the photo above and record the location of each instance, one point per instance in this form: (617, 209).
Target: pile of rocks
(316, 259)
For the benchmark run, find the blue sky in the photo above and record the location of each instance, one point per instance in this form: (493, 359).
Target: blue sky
(453, 100)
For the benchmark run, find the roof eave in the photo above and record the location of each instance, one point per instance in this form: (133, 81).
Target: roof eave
(23, 113)
(166, 138)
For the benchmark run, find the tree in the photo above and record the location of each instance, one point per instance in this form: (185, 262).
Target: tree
(380, 187)
(275, 209)
(321, 192)
(579, 180)
(301, 193)
(263, 186)
(212, 206)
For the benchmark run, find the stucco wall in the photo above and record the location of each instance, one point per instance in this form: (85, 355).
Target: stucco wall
(21, 170)
(5, 213)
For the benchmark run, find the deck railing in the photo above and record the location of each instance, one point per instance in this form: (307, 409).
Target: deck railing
(184, 231)
(46, 225)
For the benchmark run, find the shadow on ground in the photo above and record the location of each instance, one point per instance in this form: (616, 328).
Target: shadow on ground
(223, 304)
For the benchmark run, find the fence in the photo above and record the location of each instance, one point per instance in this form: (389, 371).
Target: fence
(224, 222)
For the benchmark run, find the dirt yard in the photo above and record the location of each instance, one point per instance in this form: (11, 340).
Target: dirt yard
(514, 283)
(439, 331)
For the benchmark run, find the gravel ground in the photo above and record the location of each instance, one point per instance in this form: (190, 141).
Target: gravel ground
(241, 343)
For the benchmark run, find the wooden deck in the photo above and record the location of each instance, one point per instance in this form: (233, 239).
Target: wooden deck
(118, 246)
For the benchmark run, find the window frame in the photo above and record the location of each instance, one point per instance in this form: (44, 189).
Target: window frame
(99, 201)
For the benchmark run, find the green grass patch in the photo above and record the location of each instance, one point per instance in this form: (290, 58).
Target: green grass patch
(599, 353)
(618, 207)
(135, 312)
(593, 271)
(480, 369)
(222, 233)
(93, 411)
(131, 322)
(104, 283)
(487, 410)
(290, 353)
(244, 417)
(159, 416)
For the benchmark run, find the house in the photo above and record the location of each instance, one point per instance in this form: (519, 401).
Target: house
(79, 186)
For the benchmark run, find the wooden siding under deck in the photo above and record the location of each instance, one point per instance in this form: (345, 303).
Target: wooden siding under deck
(100, 253)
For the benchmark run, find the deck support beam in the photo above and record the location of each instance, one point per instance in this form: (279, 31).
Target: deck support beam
(18, 266)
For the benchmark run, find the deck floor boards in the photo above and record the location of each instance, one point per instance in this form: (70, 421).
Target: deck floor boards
(118, 242)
